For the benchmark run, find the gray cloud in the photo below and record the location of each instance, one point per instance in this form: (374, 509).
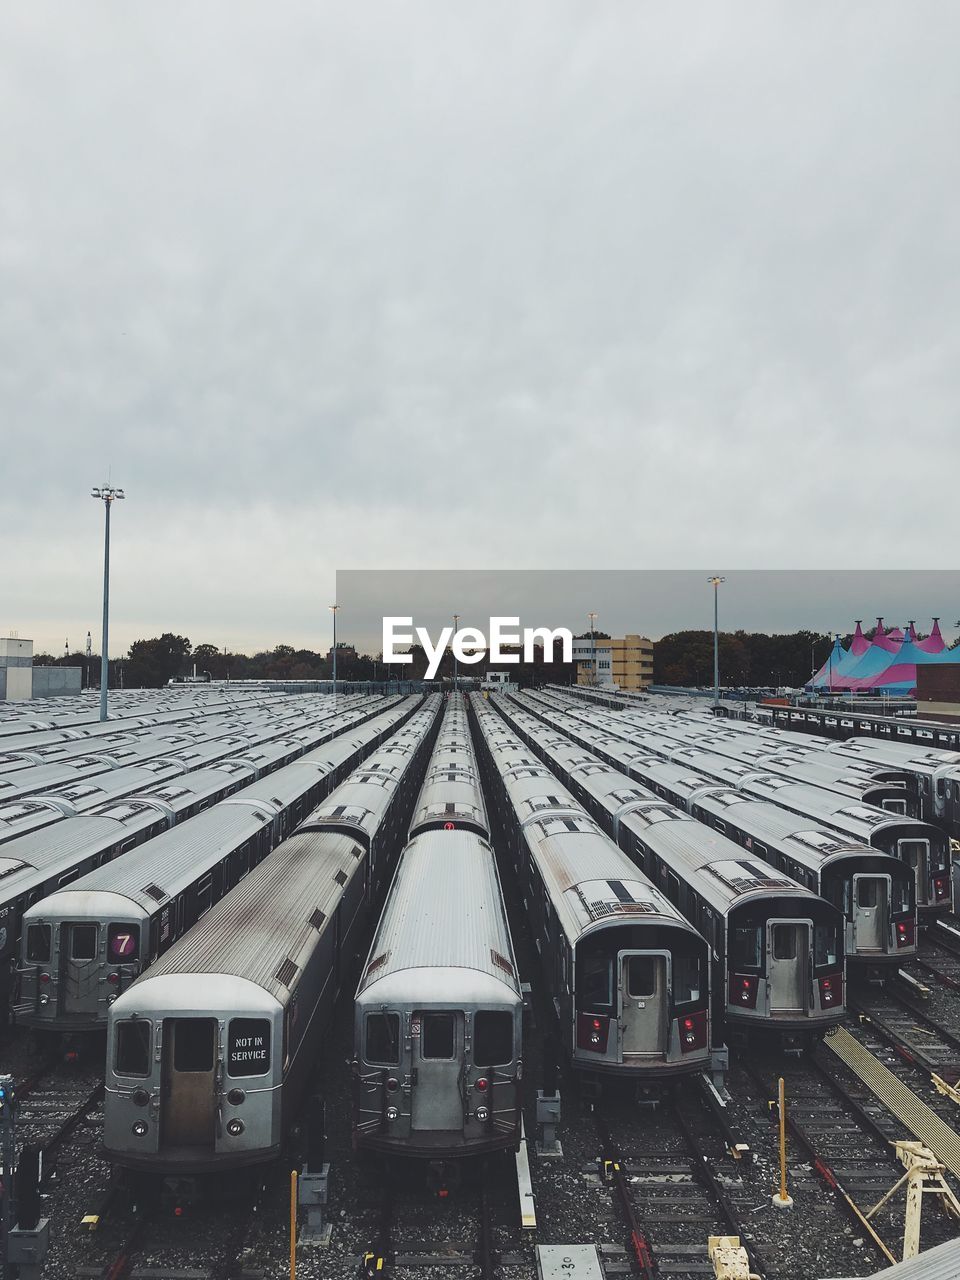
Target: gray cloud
(389, 286)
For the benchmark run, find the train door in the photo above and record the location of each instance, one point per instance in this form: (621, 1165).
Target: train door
(871, 896)
(437, 1038)
(189, 1082)
(79, 967)
(642, 1003)
(788, 946)
(916, 854)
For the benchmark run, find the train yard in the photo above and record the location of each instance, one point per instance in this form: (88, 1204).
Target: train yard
(377, 941)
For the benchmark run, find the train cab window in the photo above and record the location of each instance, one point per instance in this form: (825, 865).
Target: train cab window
(784, 942)
(641, 976)
(382, 1046)
(868, 892)
(38, 943)
(83, 941)
(492, 1038)
(437, 1035)
(745, 947)
(686, 979)
(902, 896)
(595, 986)
(826, 944)
(193, 1044)
(133, 1048)
(123, 942)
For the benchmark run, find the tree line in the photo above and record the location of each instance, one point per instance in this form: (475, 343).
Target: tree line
(681, 658)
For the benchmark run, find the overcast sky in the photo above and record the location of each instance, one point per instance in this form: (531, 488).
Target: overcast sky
(423, 285)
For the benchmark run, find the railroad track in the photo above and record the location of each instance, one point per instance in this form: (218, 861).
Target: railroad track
(464, 1228)
(53, 1105)
(660, 1168)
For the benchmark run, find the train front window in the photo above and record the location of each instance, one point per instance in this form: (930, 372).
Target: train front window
(784, 942)
(596, 981)
(641, 976)
(868, 892)
(826, 945)
(133, 1048)
(193, 1044)
(746, 947)
(83, 939)
(686, 979)
(492, 1038)
(382, 1039)
(902, 896)
(38, 943)
(437, 1036)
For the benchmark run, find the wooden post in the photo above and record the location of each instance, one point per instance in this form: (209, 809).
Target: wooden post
(293, 1224)
(782, 1200)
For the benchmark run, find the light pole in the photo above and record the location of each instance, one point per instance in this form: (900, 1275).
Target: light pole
(108, 495)
(716, 580)
(456, 665)
(593, 649)
(333, 609)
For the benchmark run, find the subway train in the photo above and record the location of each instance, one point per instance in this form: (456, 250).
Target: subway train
(875, 891)
(920, 845)
(85, 944)
(37, 864)
(210, 1051)
(438, 1014)
(778, 948)
(628, 976)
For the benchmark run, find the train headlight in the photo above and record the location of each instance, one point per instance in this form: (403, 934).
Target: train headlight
(235, 1097)
(594, 1037)
(139, 1127)
(111, 998)
(234, 1128)
(482, 1114)
(481, 1084)
(140, 1097)
(44, 999)
(392, 1114)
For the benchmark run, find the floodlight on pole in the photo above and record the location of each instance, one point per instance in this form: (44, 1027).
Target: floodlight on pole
(593, 647)
(107, 494)
(334, 609)
(716, 580)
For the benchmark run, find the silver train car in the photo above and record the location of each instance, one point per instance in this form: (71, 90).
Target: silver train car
(777, 947)
(85, 944)
(628, 976)
(875, 891)
(922, 846)
(209, 1053)
(438, 1012)
(37, 864)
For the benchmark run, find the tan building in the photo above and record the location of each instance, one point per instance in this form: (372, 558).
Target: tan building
(626, 663)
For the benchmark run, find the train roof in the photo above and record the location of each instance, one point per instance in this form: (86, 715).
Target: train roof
(163, 867)
(444, 911)
(267, 925)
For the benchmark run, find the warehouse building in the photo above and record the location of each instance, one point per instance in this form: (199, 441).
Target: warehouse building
(624, 663)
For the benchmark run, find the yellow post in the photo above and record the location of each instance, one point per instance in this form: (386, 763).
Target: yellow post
(782, 1200)
(293, 1224)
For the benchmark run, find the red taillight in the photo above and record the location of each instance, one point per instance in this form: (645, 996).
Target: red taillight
(693, 1031)
(941, 887)
(592, 1032)
(743, 991)
(831, 991)
(906, 933)
(113, 978)
(392, 1084)
(44, 977)
(481, 1085)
